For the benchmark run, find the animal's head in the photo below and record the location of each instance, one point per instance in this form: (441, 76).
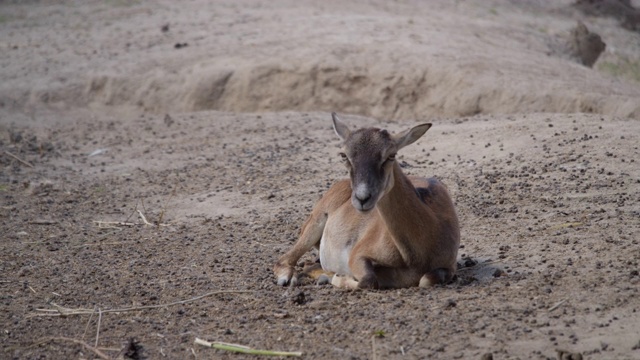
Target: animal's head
(370, 156)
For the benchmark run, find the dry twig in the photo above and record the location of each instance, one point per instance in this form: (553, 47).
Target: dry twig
(144, 219)
(43, 222)
(557, 305)
(133, 212)
(105, 224)
(98, 353)
(98, 331)
(374, 356)
(104, 243)
(114, 224)
(87, 326)
(17, 158)
(62, 311)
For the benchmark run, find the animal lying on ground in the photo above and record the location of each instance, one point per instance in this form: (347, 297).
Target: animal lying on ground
(380, 228)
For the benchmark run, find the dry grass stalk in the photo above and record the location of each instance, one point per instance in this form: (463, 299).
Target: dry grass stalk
(98, 330)
(87, 326)
(245, 349)
(164, 207)
(43, 222)
(107, 224)
(97, 352)
(17, 158)
(557, 305)
(144, 219)
(62, 311)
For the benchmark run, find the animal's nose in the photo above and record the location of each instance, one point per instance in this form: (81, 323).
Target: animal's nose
(363, 198)
(361, 194)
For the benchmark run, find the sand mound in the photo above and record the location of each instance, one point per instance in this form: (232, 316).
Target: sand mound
(405, 61)
(392, 92)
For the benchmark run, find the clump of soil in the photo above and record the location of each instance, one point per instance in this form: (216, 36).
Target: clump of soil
(580, 45)
(585, 45)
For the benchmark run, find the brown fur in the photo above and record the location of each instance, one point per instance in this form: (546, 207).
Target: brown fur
(390, 230)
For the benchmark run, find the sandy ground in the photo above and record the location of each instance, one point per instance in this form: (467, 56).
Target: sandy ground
(211, 120)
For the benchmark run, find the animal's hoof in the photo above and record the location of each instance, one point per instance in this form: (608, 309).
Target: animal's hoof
(324, 279)
(285, 280)
(284, 273)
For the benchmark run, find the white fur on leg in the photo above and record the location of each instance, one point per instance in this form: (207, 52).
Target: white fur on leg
(346, 282)
(425, 282)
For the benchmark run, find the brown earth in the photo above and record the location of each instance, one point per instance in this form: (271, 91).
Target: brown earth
(224, 144)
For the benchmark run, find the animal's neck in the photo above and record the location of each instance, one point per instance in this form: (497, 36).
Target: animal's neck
(407, 218)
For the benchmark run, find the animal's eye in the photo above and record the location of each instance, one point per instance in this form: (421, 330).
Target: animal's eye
(391, 157)
(343, 156)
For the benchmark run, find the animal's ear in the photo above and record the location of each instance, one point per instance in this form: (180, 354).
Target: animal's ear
(341, 129)
(410, 136)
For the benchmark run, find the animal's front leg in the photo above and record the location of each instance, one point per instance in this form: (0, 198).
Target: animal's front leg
(309, 237)
(362, 269)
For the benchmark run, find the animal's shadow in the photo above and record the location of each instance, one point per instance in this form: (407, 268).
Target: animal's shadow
(476, 271)
(470, 271)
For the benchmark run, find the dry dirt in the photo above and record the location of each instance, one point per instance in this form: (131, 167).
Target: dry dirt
(212, 120)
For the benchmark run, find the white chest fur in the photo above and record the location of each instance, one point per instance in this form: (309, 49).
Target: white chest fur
(334, 252)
